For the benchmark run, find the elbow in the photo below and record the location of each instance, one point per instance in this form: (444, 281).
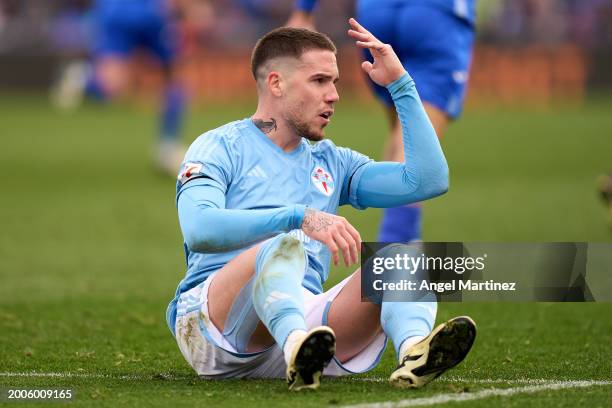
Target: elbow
(198, 232)
(201, 242)
(196, 242)
(438, 181)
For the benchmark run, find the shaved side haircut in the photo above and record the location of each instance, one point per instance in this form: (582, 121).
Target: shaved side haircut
(287, 42)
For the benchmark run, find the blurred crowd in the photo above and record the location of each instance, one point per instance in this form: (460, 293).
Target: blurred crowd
(66, 26)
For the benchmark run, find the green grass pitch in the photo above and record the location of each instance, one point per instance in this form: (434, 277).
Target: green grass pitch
(91, 253)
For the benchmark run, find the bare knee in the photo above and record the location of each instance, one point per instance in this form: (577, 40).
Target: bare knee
(113, 74)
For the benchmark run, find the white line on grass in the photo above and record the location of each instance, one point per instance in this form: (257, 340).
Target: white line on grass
(167, 376)
(162, 376)
(450, 379)
(470, 396)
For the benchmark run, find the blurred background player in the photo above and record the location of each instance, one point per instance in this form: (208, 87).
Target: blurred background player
(125, 26)
(434, 41)
(122, 28)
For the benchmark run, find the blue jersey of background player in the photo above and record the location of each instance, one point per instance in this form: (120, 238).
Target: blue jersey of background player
(434, 41)
(124, 26)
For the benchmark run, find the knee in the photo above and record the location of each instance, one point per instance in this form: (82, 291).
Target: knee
(282, 246)
(113, 77)
(281, 254)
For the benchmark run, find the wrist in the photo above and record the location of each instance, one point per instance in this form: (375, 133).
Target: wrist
(299, 212)
(403, 82)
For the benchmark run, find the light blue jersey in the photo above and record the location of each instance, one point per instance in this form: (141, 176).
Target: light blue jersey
(256, 174)
(236, 188)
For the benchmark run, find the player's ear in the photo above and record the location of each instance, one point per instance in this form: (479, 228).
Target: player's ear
(275, 83)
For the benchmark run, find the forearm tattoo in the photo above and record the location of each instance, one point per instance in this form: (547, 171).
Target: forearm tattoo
(265, 126)
(316, 221)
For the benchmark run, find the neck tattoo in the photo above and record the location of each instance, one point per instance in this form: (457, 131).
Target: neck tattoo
(265, 126)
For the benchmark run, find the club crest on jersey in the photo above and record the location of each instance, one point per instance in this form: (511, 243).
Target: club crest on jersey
(323, 180)
(189, 170)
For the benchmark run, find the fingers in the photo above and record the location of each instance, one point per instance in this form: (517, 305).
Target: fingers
(364, 38)
(359, 35)
(372, 45)
(367, 67)
(355, 234)
(358, 27)
(348, 241)
(352, 247)
(344, 247)
(333, 248)
(343, 242)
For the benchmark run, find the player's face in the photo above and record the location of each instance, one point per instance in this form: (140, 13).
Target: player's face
(311, 94)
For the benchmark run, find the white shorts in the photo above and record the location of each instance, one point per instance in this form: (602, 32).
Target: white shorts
(211, 355)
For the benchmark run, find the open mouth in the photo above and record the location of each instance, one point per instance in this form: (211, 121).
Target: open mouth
(326, 115)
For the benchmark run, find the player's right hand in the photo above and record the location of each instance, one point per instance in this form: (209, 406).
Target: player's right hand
(335, 232)
(387, 67)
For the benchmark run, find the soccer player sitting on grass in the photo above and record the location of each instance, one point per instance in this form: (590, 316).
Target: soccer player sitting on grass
(257, 204)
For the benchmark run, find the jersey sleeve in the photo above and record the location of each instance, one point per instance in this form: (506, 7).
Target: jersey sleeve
(354, 163)
(207, 162)
(208, 227)
(424, 173)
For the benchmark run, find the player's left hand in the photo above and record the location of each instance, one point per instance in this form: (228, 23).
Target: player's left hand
(386, 67)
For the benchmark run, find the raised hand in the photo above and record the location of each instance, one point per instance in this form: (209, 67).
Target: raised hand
(335, 233)
(386, 67)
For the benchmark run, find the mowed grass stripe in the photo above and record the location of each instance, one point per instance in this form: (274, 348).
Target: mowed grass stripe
(493, 392)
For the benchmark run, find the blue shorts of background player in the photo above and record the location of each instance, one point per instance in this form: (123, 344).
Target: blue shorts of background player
(435, 45)
(124, 26)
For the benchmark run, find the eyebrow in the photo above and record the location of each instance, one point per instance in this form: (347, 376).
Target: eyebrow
(327, 76)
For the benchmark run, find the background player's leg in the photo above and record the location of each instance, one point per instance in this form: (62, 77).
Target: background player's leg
(170, 151)
(435, 48)
(163, 40)
(112, 73)
(173, 107)
(394, 146)
(404, 28)
(403, 224)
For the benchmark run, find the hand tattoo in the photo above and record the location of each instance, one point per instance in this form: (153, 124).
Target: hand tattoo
(264, 126)
(316, 221)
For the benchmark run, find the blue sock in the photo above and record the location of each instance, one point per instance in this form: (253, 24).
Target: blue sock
(277, 292)
(94, 90)
(173, 106)
(401, 224)
(401, 320)
(415, 315)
